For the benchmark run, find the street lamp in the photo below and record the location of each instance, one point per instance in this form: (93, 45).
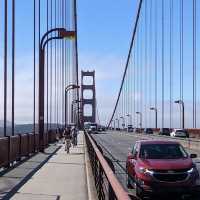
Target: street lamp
(72, 109)
(156, 116)
(117, 123)
(130, 118)
(180, 102)
(123, 122)
(114, 124)
(139, 113)
(60, 33)
(77, 114)
(67, 89)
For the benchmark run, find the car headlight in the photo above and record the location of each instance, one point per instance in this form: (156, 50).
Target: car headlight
(191, 170)
(143, 170)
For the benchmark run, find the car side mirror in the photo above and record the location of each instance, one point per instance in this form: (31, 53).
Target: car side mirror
(193, 155)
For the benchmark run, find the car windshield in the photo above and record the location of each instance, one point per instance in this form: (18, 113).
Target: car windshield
(162, 151)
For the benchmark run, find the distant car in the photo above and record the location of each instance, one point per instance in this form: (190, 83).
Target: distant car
(130, 128)
(148, 131)
(164, 131)
(93, 128)
(103, 128)
(179, 133)
(137, 130)
(157, 168)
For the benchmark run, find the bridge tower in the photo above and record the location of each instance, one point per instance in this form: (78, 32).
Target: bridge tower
(88, 97)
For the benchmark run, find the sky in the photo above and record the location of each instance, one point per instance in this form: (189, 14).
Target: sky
(104, 34)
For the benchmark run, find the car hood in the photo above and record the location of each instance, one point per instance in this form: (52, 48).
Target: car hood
(166, 164)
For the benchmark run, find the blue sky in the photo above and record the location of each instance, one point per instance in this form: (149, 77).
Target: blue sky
(104, 31)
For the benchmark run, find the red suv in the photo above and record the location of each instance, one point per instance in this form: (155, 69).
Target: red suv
(161, 167)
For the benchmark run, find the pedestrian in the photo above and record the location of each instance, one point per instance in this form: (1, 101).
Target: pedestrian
(74, 136)
(67, 139)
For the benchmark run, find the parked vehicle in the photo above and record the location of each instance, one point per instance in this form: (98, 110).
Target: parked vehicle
(179, 133)
(148, 131)
(161, 167)
(164, 131)
(130, 128)
(137, 130)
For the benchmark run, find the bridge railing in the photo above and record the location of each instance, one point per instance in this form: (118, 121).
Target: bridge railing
(14, 148)
(107, 185)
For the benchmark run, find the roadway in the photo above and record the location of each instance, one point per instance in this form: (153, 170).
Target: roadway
(116, 146)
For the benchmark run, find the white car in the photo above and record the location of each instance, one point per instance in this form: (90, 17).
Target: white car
(179, 133)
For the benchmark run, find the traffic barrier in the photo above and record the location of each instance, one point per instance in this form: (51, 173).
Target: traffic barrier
(14, 148)
(107, 185)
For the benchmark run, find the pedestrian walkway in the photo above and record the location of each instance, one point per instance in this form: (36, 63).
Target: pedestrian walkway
(63, 177)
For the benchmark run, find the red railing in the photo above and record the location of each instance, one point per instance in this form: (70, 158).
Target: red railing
(14, 148)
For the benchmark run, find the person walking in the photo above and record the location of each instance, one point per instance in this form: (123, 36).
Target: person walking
(67, 138)
(74, 136)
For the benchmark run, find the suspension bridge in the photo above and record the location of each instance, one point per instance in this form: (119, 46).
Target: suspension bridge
(44, 92)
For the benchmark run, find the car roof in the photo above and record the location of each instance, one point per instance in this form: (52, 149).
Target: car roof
(157, 142)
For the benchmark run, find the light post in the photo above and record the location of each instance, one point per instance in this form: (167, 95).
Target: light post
(156, 116)
(67, 89)
(113, 127)
(61, 34)
(130, 118)
(72, 109)
(78, 114)
(117, 123)
(123, 122)
(139, 113)
(180, 102)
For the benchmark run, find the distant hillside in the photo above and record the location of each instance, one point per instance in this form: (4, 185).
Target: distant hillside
(21, 128)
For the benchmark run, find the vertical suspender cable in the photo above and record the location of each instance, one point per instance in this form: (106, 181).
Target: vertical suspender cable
(39, 28)
(76, 51)
(51, 65)
(55, 76)
(181, 54)
(47, 65)
(163, 65)
(13, 67)
(34, 62)
(156, 59)
(5, 63)
(194, 64)
(150, 61)
(171, 63)
(145, 70)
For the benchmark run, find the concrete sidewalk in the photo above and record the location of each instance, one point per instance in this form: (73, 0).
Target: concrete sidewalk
(63, 177)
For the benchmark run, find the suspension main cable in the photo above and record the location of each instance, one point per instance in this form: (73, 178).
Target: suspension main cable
(127, 61)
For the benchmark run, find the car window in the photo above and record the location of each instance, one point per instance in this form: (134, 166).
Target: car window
(135, 149)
